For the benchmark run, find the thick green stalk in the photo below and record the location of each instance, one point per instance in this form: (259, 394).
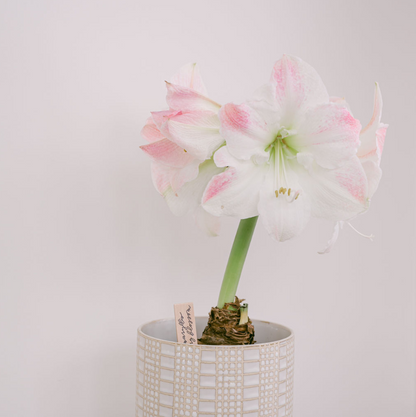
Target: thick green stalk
(236, 261)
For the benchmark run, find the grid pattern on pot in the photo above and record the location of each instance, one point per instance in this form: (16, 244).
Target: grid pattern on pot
(175, 380)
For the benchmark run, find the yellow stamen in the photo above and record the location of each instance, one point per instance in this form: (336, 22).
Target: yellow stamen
(288, 192)
(276, 193)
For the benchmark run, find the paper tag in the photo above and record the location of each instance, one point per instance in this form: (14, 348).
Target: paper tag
(185, 323)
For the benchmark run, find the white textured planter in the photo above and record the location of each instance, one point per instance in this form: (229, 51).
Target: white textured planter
(173, 379)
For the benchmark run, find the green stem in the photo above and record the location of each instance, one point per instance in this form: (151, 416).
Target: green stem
(236, 261)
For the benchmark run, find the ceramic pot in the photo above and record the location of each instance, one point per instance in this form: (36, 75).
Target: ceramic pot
(175, 380)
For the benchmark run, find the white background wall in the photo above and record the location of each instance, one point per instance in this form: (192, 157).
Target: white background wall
(89, 250)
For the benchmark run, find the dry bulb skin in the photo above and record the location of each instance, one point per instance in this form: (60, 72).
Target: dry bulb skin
(224, 326)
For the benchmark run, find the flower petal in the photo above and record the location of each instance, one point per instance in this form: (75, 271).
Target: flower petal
(245, 131)
(331, 242)
(264, 102)
(337, 194)
(282, 219)
(329, 133)
(188, 197)
(372, 142)
(165, 177)
(297, 88)
(168, 153)
(160, 177)
(186, 99)
(160, 119)
(373, 135)
(235, 192)
(189, 76)
(197, 132)
(340, 101)
(150, 131)
(373, 172)
(179, 177)
(207, 222)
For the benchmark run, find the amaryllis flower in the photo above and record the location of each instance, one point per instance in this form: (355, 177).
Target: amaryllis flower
(182, 141)
(291, 154)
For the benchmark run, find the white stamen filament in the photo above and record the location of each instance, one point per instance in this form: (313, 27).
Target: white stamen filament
(371, 237)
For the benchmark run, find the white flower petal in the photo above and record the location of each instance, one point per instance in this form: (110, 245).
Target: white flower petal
(244, 130)
(297, 88)
(331, 242)
(372, 142)
(283, 219)
(337, 194)
(188, 197)
(224, 159)
(235, 192)
(160, 177)
(197, 132)
(189, 76)
(180, 176)
(340, 101)
(329, 133)
(207, 222)
(265, 104)
(373, 172)
(284, 216)
(167, 178)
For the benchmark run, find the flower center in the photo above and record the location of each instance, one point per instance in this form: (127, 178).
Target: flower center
(280, 152)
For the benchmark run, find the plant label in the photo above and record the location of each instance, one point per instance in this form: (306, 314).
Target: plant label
(185, 323)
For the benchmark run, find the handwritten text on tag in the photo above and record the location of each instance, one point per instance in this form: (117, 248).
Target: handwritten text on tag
(185, 323)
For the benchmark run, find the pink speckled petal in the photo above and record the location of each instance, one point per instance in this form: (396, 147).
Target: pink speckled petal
(197, 132)
(189, 76)
(168, 153)
(247, 134)
(337, 194)
(328, 134)
(160, 119)
(235, 192)
(297, 88)
(208, 223)
(186, 100)
(150, 131)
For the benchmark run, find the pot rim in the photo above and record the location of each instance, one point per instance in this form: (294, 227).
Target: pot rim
(267, 322)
